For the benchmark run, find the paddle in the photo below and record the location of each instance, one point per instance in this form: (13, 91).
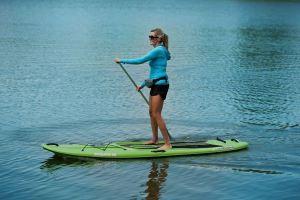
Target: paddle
(135, 85)
(132, 81)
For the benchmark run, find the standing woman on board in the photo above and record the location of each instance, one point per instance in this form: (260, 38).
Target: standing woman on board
(158, 82)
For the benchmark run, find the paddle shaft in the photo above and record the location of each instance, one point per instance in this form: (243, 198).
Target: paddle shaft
(133, 82)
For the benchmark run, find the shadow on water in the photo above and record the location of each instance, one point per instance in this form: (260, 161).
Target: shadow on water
(257, 171)
(235, 167)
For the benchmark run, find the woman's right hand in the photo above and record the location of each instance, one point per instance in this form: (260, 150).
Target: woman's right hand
(117, 60)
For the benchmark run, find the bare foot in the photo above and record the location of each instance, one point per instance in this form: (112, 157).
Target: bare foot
(151, 142)
(165, 147)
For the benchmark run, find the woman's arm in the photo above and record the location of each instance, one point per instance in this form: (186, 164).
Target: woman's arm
(154, 53)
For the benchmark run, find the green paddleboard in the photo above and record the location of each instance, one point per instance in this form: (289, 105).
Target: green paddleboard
(140, 150)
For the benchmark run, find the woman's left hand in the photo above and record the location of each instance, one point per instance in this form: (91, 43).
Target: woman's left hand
(117, 60)
(138, 88)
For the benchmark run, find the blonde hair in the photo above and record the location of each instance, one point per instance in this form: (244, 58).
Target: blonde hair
(163, 37)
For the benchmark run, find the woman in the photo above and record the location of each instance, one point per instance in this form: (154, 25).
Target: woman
(158, 83)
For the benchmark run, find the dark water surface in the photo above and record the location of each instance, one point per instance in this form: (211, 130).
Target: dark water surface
(235, 73)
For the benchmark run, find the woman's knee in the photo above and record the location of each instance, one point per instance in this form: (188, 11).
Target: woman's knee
(156, 115)
(150, 113)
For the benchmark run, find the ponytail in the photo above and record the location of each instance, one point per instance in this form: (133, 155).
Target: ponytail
(163, 37)
(165, 40)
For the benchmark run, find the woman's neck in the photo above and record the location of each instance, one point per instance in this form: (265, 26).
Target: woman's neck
(158, 44)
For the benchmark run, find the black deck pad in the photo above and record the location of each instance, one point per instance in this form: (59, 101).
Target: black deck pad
(174, 145)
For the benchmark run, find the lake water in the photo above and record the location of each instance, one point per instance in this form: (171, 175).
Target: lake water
(234, 73)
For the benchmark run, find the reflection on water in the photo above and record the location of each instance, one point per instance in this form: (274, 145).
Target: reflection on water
(156, 179)
(57, 162)
(157, 173)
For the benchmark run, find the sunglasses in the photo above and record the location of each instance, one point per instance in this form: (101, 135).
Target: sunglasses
(151, 37)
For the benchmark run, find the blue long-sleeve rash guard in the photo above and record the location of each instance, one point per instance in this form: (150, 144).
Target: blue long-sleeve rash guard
(158, 58)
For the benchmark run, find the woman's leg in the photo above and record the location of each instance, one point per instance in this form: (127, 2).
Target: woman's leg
(156, 108)
(154, 125)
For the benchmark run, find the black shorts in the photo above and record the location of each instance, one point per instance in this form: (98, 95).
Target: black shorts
(161, 90)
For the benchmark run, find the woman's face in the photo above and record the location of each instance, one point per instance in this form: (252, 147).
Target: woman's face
(154, 40)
